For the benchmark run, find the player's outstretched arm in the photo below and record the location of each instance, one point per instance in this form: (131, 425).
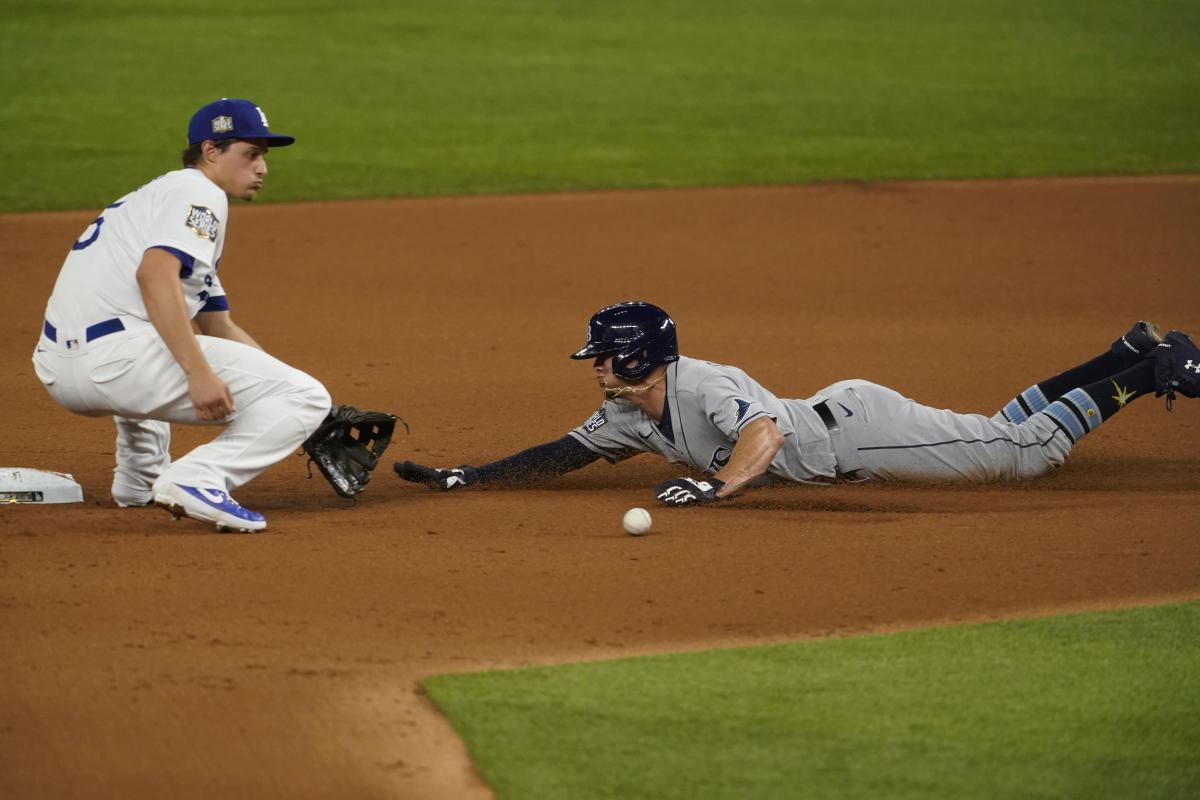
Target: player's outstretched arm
(543, 461)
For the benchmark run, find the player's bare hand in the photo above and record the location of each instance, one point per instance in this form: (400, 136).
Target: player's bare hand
(210, 396)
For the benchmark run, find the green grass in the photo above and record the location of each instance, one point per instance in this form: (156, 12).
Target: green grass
(473, 96)
(1096, 706)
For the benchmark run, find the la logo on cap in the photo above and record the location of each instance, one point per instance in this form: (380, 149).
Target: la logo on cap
(222, 124)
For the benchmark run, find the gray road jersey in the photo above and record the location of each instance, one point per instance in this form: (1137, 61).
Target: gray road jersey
(709, 405)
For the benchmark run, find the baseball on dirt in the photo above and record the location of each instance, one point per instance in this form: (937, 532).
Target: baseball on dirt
(637, 522)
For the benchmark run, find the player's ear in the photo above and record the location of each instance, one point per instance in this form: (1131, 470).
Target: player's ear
(209, 151)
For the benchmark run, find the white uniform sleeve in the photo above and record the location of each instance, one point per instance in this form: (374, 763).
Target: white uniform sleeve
(189, 216)
(189, 221)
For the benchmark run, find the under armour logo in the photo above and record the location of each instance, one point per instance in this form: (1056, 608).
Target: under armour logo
(1193, 366)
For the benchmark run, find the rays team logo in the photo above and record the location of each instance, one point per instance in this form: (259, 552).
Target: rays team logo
(742, 408)
(595, 421)
(1123, 396)
(720, 458)
(223, 124)
(203, 221)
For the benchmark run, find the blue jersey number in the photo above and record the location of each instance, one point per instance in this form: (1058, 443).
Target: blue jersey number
(97, 222)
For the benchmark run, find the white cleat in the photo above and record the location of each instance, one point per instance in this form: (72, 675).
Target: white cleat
(208, 505)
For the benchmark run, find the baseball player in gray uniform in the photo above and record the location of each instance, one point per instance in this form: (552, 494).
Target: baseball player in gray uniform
(719, 421)
(117, 336)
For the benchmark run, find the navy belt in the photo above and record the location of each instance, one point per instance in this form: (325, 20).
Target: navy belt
(855, 475)
(826, 415)
(91, 333)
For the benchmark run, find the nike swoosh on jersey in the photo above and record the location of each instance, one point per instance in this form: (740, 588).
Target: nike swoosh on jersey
(849, 413)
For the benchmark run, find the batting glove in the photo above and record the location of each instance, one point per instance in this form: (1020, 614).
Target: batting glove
(445, 479)
(682, 491)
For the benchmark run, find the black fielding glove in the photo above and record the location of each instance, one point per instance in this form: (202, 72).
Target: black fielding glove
(445, 479)
(348, 444)
(684, 491)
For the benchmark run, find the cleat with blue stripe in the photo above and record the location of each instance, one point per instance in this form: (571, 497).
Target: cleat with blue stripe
(208, 505)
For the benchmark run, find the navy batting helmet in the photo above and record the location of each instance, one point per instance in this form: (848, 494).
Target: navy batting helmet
(639, 335)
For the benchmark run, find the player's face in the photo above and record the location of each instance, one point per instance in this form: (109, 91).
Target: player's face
(239, 169)
(602, 367)
(621, 390)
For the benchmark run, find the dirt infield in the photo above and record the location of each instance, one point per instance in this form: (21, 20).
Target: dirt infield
(145, 658)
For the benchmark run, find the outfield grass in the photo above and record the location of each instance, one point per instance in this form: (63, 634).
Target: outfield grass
(1088, 706)
(440, 97)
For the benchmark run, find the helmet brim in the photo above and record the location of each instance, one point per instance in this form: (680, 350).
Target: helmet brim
(591, 351)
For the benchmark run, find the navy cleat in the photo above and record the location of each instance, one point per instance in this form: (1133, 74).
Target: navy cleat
(208, 505)
(1176, 367)
(1139, 342)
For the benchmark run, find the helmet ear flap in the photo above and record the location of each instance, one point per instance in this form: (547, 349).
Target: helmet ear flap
(631, 365)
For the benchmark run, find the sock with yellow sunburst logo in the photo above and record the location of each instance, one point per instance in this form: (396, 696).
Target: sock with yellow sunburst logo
(1080, 411)
(1037, 397)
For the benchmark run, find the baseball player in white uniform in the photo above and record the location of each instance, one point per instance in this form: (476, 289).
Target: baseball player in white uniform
(118, 338)
(719, 421)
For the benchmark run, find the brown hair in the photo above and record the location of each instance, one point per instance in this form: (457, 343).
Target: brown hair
(191, 156)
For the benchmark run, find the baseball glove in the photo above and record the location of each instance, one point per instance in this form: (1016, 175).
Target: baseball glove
(347, 446)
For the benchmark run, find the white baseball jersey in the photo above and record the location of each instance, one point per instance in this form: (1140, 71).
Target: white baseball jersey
(181, 211)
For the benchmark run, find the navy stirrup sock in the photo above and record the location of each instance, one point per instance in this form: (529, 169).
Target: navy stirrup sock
(1081, 410)
(1037, 397)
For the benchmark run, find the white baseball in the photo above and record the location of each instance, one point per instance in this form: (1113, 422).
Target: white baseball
(637, 522)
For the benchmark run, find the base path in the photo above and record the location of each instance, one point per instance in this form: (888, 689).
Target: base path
(145, 658)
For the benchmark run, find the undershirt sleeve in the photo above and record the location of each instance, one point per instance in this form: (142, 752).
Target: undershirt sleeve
(542, 461)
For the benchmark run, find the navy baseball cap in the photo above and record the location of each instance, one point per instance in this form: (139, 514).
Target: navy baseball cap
(233, 119)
